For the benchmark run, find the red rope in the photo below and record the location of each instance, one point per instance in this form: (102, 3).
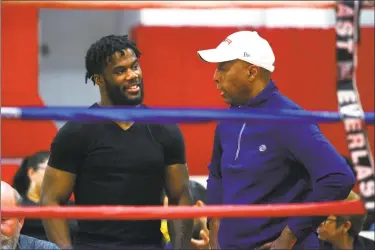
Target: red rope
(157, 212)
(170, 4)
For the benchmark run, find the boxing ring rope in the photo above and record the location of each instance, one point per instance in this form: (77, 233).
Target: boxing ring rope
(133, 5)
(136, 5)
(180, 212)
(169, 115)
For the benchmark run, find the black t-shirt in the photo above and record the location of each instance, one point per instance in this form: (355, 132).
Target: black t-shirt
(117, 167)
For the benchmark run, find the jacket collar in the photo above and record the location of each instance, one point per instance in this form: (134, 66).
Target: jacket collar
(263, 96)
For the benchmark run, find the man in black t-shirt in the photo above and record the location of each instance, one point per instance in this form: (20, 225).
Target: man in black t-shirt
(117, 163)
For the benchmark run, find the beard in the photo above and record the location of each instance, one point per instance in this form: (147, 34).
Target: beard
(119, 97)
(8, 243)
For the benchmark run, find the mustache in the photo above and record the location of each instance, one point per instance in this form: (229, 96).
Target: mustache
(137, 81)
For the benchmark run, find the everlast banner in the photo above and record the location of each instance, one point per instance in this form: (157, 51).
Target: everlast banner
(347, 37)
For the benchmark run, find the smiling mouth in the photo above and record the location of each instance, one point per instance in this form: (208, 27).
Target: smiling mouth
(134, 89)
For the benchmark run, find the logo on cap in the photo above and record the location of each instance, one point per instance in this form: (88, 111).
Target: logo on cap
(245, 54)
(228, 41)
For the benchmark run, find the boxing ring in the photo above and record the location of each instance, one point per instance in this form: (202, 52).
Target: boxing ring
(346, 90)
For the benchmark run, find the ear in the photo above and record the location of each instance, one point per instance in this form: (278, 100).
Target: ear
(20, 223)
(347, 225)
(30, 173)
(98, 79)
(253, 72)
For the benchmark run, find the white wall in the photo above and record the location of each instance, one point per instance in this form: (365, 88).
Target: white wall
(271, 17)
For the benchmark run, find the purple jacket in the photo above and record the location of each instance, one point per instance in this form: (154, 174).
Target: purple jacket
(255, 163)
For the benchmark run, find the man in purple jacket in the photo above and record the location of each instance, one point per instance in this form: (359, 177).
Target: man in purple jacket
(270, 163)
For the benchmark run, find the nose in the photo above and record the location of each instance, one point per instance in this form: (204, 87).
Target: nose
(131, 74)
(216, 76)
(216, 79)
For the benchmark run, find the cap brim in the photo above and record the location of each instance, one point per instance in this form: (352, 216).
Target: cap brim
(215, 55)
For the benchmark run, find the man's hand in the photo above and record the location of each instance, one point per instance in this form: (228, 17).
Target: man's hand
(204, 243)
(286, 240)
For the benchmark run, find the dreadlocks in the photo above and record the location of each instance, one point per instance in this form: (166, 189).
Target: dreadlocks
(102, 50)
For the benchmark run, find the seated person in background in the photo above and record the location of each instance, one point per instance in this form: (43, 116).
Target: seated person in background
(200, 238)
(342, 232)
(369, 223)
(28, 181)
(11, 227)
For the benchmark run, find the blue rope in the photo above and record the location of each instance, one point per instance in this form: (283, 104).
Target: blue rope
(170, 115)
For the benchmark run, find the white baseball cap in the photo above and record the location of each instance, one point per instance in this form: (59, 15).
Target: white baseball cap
(244, 45)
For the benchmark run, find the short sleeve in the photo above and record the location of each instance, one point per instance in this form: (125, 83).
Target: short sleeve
(68, 148)
(173, 143)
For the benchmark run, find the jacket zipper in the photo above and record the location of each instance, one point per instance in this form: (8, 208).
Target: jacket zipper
(239, 142)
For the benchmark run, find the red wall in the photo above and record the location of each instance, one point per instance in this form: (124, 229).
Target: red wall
(305, 71)
(175, 77)
(19, 81)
